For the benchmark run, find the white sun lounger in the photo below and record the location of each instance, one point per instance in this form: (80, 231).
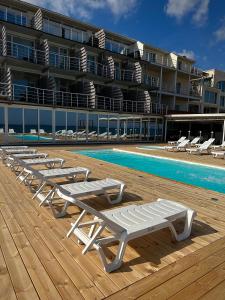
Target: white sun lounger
(13, 147)
(204, 148)
(42, 131)
(218, 154)
(6, 152)
(33, 131)
(219, 147)
(181, 139)
(195, 141)
(71, 192)
(180, 147)
(48, 162)
(128, 223)
(44, 177)
(13, 161)
(11, 131)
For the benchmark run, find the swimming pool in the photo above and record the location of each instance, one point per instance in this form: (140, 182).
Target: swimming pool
(195, 174)
(31, 137)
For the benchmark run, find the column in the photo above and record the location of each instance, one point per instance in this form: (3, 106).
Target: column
(223, 137)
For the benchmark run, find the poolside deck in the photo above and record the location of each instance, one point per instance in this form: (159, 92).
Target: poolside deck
(37, 261)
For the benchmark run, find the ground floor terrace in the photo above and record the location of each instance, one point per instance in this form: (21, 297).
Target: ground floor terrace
(37, 261)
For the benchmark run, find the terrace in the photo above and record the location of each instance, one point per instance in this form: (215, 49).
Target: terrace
(38, 261)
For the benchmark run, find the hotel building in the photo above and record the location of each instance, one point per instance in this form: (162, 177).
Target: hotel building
(62, 80)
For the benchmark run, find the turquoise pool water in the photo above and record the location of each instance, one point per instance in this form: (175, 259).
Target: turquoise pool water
(197, 175)
(30, 137)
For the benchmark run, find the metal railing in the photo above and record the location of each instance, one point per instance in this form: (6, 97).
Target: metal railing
(64, 62)
(26, 53)
(39, 96)
(98, 68)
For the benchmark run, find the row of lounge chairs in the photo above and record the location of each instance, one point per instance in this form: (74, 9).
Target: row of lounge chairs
(193, 147)
(122, 224)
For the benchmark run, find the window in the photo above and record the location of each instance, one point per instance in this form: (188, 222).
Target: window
(222, 101)
(150, 56)
(221, 85)
(116, 47)
(210, 97)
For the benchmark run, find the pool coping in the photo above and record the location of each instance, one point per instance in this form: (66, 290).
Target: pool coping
(173, 159)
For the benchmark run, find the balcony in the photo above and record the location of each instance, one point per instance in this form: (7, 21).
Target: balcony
(25, 53)
(64, 62)
(13, 16)
(38, 96)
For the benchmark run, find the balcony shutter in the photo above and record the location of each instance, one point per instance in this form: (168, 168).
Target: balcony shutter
(4, 41)
(38, 20)
(83, 59)
(89, 89)
(110, 67)
(100, 35)
(138, 72)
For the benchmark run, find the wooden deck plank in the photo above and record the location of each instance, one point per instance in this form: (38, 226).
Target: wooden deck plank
(192, 274)
(22, 283)
(207, 282)
(217, 293)
(43, 284)
(6, 290)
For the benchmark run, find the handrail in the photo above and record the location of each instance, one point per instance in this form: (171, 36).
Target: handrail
(39, 96)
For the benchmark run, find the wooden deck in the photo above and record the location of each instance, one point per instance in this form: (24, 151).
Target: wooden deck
(37, 261)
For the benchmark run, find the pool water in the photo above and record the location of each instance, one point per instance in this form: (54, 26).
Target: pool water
(30, 137)
(202, 176)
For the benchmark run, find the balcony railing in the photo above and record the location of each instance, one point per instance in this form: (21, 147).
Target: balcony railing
(98, 68)
(64, 62)
(39, 96)
(26, 53)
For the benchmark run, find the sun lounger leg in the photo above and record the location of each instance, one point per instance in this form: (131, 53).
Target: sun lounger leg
(109, 267)
(41, 187)
(187, 227)
(63, 211)
(120, 196)
(87, 175)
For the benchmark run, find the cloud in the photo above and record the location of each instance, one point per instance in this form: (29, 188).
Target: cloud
(84, 9)
(188, 53)
(181, 8)
(220, 32)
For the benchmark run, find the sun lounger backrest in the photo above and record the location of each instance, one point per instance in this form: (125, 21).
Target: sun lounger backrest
(183, 143)
(114, 226)
(195, 140)
(181, 139)
(206, 144)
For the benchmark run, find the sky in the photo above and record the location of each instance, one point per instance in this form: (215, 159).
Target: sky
(195, 28)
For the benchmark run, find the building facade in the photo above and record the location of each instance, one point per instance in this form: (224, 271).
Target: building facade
(64, 80)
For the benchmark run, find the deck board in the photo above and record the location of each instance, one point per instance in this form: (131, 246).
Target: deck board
(32, 242)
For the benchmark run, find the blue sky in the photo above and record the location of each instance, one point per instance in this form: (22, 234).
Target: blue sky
(195, 28)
